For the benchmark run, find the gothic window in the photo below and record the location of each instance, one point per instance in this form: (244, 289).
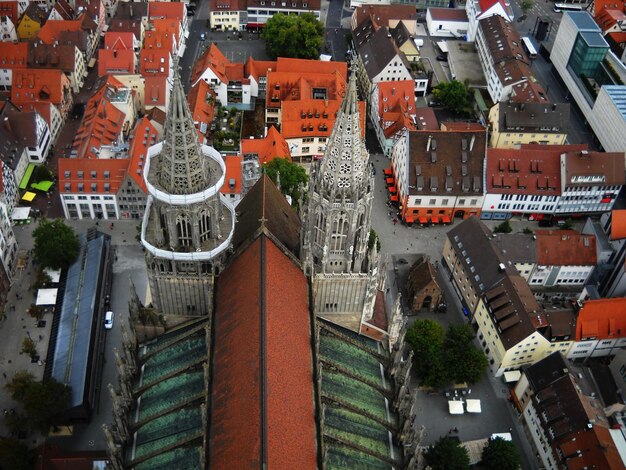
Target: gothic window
(334, 152)
(344, 168)
(320, 227)
(345, 155)
(343, 182)
(347, 142)
(332, 164)
(329, 178)
(205, 226)
(340, 233)
(183, 229)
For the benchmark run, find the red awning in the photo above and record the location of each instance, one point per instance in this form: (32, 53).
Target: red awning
(434, 219)
(390, 180)
(388, 172)
(392, 189)
(606, 200)
(539, 216)
(423, 220)
(445, 219)
(409, 219)
(532, 217)
(394, 197)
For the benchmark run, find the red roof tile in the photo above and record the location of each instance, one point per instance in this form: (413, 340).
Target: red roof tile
(565, 248)
(70, 180)
(487, 4)
(618, 224)
(53, 29)
(120, 61)
(602, 319)
(425, 120)
(9, 9)
(319, 117)
(213, 59)
(13, 55)
(118, 40)
(294, 86)
(171, 10)
(47, 85)
(233, 172)
(383, 14)
(273, 145)
(202, 109)
(155, 90)
(144, 135)
(265, 395)
(599, 5)
(524, 171)
(259, 68)
(154, 62)
(396, 106)
(167, 28)
(448, 14)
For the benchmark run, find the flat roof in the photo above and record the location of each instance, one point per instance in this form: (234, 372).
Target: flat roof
(46, 297)
(583, 20)
(594, 39)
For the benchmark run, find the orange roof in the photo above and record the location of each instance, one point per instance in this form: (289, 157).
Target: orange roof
(155, 90)
(166, 28)
(102, 123)
(565, 248)
(118, 40)
(144, 135)
(171, 10)
(9, 9)
(602, 319)
(202, 111)
(396, 106)
(273, 145)
(116, 61)
(13, 55)
(39, 85)
(219, 64)
(154, 62)
(304, 66)
(618, 37)
(96, 174)
(294, 86)
(618, 224)
(308, 118)
(233, 175)
(259, 68)
(51, 31)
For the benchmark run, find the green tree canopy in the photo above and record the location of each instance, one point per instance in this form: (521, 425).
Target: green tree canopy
(426, 339)
(42, 401)
(463, 361)
(453, 96)
(447, 454)
(297, 36)
(291, 177)
(15, 456)
(499, 454)
(56, 244)
(526, 5)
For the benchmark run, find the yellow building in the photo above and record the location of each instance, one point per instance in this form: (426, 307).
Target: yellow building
(225, 20)
(514, 330)
(513, 124)
(31, 22)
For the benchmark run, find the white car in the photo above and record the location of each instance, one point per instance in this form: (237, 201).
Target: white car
(108, 320)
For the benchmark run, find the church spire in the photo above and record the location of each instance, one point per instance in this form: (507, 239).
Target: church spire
(183, 168)
(345, 159)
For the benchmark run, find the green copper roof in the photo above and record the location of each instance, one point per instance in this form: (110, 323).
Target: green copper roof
(167, 337)
(187, 457)
(172, 358)
(343, 458)
(167, 430)
(170, 393)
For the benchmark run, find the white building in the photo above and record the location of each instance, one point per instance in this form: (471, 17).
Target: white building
(8, 242)
(579, 54)
(447, 22)
(7, 30)
(481, 9)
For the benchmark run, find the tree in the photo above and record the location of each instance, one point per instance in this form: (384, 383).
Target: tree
(426, 338)
(499, 454)
(526, 5)
(463, 361)
(504, 227)
(42, 401)
(453, 96)
(297, 36)
(447, 454)
(15, 456)
(56, 244)
(288, 175)
(29, 347)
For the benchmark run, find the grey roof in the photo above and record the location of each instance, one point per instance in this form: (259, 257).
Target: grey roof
(541, 374)
(400, 34)
(377, 52)
(472, 245)
(517, 247)
(553, 116)
(617, 93)
(583, 21)
(73, 347)
(594, 39)
(10, 146)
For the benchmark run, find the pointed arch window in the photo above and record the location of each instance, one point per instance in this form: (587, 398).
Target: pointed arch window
(183, 230)
(339, 233)
(320, 227)
(205, 226)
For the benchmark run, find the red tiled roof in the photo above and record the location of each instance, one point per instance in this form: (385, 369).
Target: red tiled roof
(91, 185)
(619, 38)
(524, 171)
(166, 28)
(599, 5)
(382, 14)
(304, 66)
(487, 4)
(43, 108)
(529, 91)
(171, 10)
(602, 319)
(273, 145)
(378, 321)
(461, 126)
(618, 224)
(213, 59)
(233, 171)
(609, 165)
(259, 68)
(565, 248)
(116, 61)
(319, 118)
(9, 9)
(608, 17)
(155, 90)
(293, 86)
(396, 106)
(13, 55)
(154, 62)
(144, 136)
(266, 395)
(118, 40)
(53, 29)
(46, 85)
(198, 98)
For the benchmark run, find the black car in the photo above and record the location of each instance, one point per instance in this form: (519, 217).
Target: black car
(442, 58)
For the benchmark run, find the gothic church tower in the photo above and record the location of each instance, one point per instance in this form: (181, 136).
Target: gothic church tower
(187, 224)
(336, 222)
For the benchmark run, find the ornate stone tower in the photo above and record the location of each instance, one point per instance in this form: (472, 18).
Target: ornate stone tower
(187, 224)
(336, 222)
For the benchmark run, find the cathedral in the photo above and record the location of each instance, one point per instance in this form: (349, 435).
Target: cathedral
(262, 365)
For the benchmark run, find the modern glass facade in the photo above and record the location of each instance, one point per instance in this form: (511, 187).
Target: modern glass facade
(588, 53)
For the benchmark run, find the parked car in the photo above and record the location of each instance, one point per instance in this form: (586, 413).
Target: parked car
(434, 103)
(202, 36)
(442, 58)
(108, 320)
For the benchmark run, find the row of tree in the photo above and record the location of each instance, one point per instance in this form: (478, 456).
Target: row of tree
(448, 454)
(444, 356)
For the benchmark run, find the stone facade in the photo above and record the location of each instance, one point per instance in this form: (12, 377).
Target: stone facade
(187, 224)
(336, 223)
